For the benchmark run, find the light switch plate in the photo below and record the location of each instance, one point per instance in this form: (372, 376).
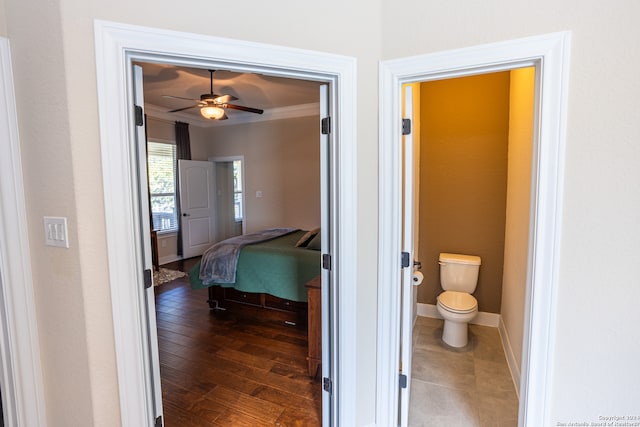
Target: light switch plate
(55, 231)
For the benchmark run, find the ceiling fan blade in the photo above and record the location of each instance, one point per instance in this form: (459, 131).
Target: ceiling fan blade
(179, 97)
(242, 108)
(185, 108)
(223, 99)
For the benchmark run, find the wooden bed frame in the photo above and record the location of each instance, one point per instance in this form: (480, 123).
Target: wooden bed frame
(261, 305)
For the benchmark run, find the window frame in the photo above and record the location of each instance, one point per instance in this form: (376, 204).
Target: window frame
(175, 229)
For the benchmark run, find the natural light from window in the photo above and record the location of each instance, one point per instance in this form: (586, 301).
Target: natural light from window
(161, 161)
(237, 189)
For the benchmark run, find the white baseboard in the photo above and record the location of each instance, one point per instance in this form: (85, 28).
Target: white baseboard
(483, 318)
(514, 367)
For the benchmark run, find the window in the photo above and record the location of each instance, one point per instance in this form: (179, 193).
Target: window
(237, 189)
(161, 160)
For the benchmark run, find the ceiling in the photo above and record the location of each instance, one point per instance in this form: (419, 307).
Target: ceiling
(275, 95)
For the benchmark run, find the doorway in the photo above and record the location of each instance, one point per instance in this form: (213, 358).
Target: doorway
(257, 304)
(117, 47)
(552, 51)
(248, 353)
(230, 194)
(475, 187)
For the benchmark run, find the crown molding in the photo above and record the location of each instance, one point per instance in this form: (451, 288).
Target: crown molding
(280, 113)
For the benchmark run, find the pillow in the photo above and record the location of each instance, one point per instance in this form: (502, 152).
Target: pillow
(304, 240)
(315, 243)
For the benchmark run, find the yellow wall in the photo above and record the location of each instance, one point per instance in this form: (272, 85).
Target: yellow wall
(463, 179)
(516, 247)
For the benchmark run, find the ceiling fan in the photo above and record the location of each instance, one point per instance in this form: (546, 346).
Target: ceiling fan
(212, 106)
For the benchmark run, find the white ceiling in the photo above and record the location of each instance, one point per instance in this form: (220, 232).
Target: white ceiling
(276, 95)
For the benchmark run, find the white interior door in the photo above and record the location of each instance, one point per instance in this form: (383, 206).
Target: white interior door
(326, 295)
(197, 204)
(152, 361)
(407, 292)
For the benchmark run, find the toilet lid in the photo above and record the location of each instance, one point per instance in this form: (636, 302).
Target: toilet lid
(460, 302)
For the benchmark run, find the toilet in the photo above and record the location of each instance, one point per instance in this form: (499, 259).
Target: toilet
(458, 278)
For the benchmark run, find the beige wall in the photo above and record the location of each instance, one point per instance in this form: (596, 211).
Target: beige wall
(463, 179)
(282, 160)
(63, 179)
(595, 351)
(162, 130)
(516, 245)
(3, 20)
(594, 363)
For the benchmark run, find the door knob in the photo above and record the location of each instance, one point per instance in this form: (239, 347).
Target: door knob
(186, 214)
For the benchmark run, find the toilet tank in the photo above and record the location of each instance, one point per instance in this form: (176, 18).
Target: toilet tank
(459, 272)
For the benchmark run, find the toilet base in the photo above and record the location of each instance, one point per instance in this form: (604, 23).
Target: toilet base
(455, 334)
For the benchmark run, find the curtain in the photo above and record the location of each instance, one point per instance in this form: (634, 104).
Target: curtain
(183, 152)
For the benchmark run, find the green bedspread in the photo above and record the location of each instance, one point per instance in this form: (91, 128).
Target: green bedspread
(276, 267)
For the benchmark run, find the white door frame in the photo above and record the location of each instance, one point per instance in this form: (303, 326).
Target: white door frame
(20, 371)
(117, 45)
(550, 54)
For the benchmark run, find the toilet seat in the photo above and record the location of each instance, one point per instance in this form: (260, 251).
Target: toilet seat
(458, 302)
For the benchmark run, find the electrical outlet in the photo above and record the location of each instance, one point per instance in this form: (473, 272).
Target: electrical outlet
(55, 232)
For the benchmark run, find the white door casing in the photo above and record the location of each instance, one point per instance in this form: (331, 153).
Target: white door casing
(550, 55)
(117, 46)
(152, 362)
(197, 206)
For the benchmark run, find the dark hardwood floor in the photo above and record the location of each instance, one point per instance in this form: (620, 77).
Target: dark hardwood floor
(230, 369)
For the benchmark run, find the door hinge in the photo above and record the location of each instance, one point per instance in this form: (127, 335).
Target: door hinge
(139, 116)
(158, 421)
(148, 279)
(406, 126)
(327, 384)
(403, 381)
(405, 260)
(326, 261)
(325, 126)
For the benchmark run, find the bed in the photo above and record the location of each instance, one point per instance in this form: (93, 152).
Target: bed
(269, 276)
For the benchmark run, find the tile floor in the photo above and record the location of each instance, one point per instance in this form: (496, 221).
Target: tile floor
(468, 387)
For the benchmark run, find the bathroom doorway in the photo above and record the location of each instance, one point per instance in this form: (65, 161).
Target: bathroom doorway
(543, 231)
(474, 138)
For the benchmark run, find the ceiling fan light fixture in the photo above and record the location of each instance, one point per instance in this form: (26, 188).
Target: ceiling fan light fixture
(212, 112)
